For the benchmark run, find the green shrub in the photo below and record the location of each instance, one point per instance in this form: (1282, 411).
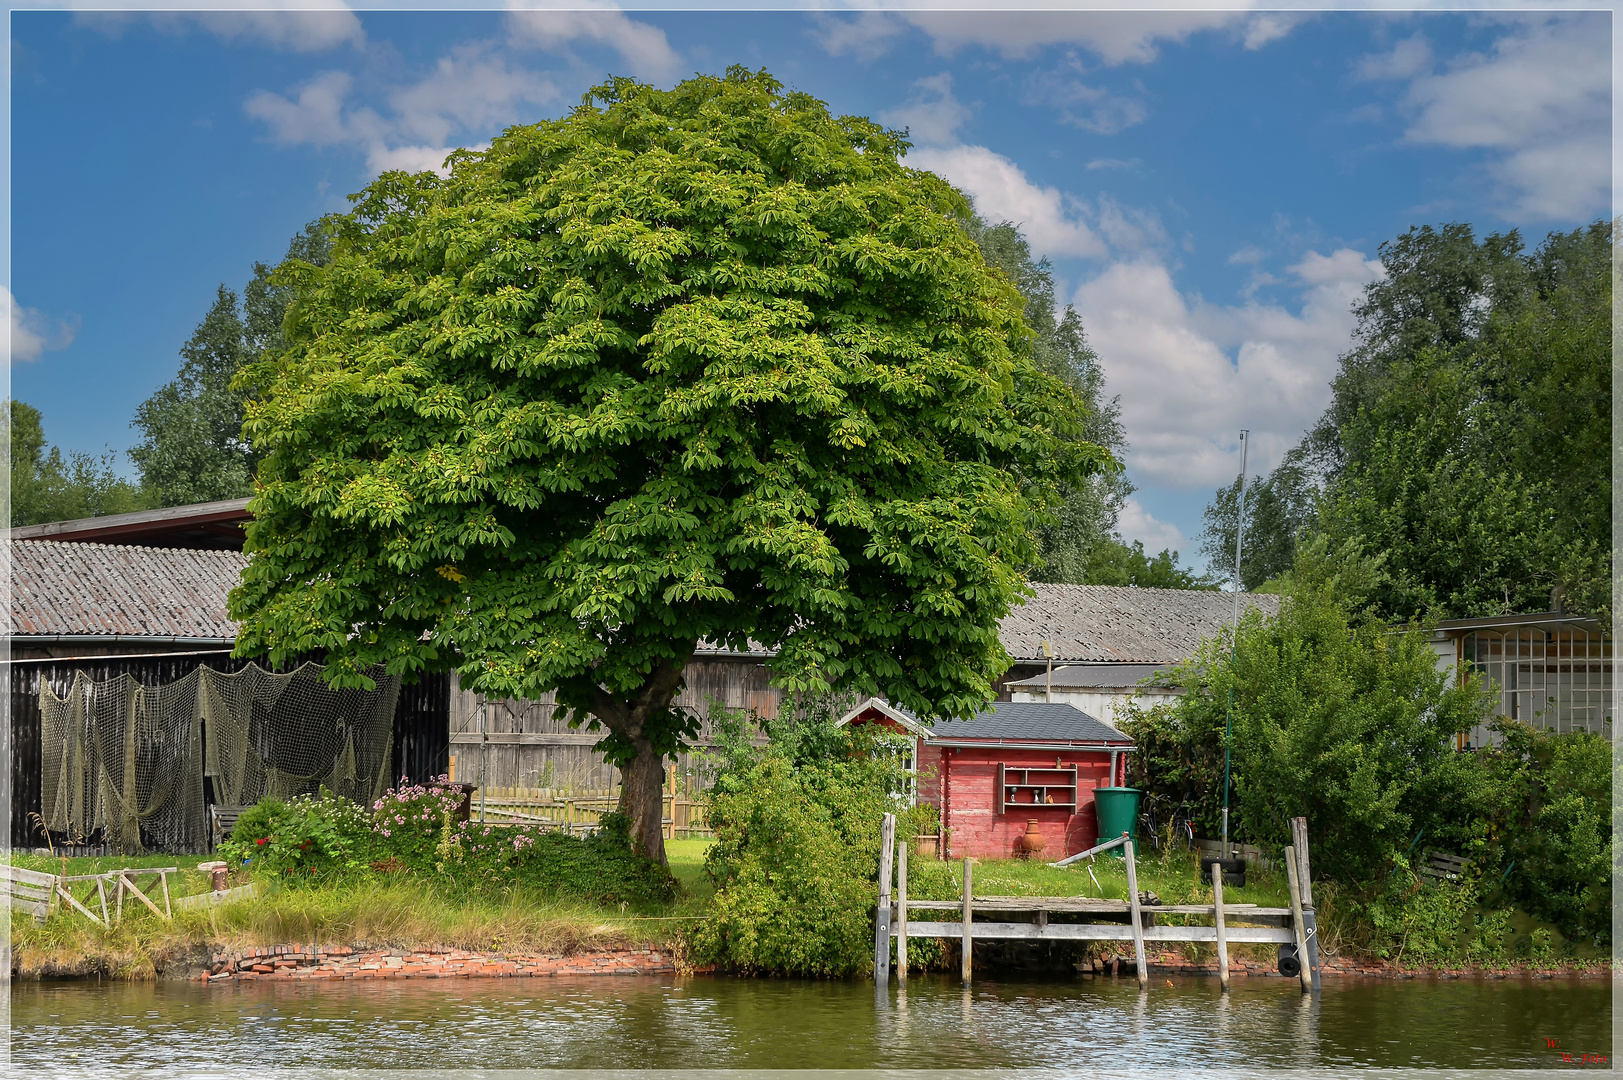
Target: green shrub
(307, 838)
(1335, 716)
(796, 858)
(418, 828)
(1544, 837)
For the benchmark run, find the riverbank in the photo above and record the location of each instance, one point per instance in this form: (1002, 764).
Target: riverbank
(312, 962)
(519, 932)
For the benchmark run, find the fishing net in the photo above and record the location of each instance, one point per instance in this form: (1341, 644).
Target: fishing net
(129, 760)
(276, 736)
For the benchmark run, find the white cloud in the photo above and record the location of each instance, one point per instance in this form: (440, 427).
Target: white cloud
(314, 116)
(867, 37)
(1137, 523)
(32, 332)
(641, 45)
(1114, 163)
(1191, 374)
(1115, 37)
(1270, 26)
(1405, 60)
(1542, 96)
(1091, 108)
(469, 90)
(932, 115)
(294, 27)
(1050, 219)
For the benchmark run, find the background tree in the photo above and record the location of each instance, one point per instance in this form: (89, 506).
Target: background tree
(1279, 509)
(700, 364)
(1468, 434)
(192, 449)
(46, 486)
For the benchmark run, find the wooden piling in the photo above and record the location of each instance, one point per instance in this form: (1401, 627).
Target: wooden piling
(1296, 918)
(901, 913)
(881, 936)
(969, 916)
(1310, 918)
(1137, 917)
(1222, 931)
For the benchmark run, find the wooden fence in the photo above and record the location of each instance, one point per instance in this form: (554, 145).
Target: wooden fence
(578, 811)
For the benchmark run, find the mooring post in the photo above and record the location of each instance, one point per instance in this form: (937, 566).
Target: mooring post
(901, 912)
(1137, 916)
(1222, 931)
(1299, 834)
(1296, 918)
(969, 915)
(881, 934)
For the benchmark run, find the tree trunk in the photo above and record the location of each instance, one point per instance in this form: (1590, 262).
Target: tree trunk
(642, 779)
(642, 799)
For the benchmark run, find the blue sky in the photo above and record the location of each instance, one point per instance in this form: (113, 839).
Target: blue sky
(1211, 186)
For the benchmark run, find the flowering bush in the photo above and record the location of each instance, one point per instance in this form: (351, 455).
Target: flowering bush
(416, 819)
(309, 836)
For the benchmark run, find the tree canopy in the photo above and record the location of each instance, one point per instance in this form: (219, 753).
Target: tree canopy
(1469, 433)
(48, 486)
(706, 364)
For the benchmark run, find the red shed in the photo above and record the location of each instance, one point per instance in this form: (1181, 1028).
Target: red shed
(1012, 763)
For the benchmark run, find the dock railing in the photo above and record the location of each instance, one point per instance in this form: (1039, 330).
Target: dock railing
(1027, 918)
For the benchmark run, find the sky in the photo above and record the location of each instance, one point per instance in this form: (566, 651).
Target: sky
(1211, 187)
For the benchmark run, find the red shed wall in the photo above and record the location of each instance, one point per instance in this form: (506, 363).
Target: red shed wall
(966, 788)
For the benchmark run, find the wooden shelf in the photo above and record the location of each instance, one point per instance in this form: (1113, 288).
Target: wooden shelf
(1021, 787)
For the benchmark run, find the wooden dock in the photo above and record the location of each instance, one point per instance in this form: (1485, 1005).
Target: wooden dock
(1032, 918)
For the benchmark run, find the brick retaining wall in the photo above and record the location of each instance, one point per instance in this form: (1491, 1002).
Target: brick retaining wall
(305, 962)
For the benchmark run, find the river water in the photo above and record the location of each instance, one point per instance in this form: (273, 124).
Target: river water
(1076, 1025)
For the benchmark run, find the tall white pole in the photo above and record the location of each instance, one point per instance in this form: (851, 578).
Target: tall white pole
(1234, 647)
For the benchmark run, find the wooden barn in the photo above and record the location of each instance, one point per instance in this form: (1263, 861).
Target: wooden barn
(1010, 765)
(143, 595)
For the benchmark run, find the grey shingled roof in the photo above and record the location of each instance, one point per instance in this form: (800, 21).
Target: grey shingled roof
(1106, 623)
(102, 589)
(1093, 675)
(1029, 721)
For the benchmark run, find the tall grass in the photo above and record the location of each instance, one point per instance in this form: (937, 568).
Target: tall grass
(377, 911)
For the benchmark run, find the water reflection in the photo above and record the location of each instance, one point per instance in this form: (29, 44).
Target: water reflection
(933, 1023)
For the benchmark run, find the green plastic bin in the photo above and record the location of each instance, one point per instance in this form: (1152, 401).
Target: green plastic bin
(1116, 809)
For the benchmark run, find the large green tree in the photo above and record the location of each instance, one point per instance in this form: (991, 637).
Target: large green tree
(192, 447)
(706, 364)
(49, 486)
(1468, 435)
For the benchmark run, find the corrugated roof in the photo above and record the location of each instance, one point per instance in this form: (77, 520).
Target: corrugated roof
(1118, 624)
(1090, 675)
(1029, 721)
(101, 589)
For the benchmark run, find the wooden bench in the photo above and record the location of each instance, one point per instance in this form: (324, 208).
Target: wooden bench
(222, 819)
(28, 890)
(1441, 866)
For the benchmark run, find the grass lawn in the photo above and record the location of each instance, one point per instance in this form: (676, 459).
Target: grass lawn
(375, 910)
(1175, 879)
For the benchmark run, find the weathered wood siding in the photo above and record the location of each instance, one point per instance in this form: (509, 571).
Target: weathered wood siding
(532, 747)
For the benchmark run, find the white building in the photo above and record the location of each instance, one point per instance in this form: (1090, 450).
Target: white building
(1100, 690)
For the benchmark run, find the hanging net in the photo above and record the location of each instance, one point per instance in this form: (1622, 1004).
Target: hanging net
(129, 760)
